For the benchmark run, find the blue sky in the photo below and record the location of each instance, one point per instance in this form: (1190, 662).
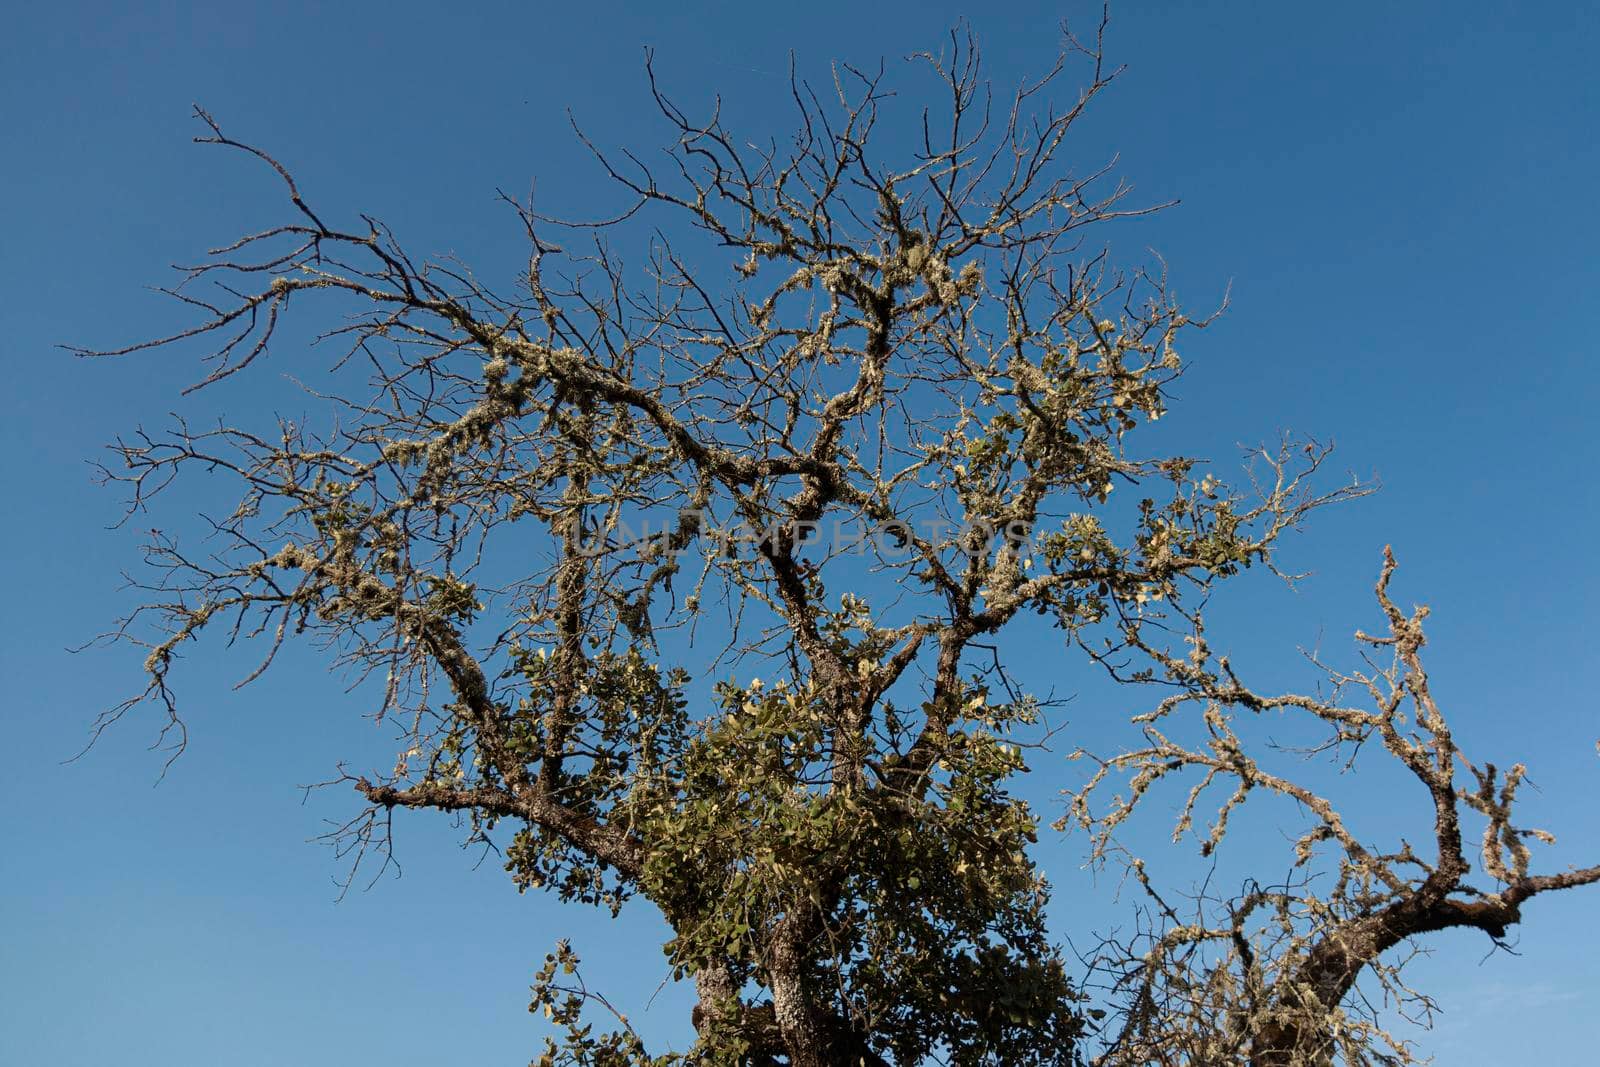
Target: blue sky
(1401, 197)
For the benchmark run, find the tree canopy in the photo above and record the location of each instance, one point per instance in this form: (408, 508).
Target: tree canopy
(685, 562)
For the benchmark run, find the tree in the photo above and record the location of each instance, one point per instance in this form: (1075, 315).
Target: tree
(846, 421)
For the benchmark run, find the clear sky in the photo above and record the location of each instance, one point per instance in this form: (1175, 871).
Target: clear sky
(1401, 195)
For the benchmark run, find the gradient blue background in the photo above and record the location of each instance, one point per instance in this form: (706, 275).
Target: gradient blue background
(1402, 196)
